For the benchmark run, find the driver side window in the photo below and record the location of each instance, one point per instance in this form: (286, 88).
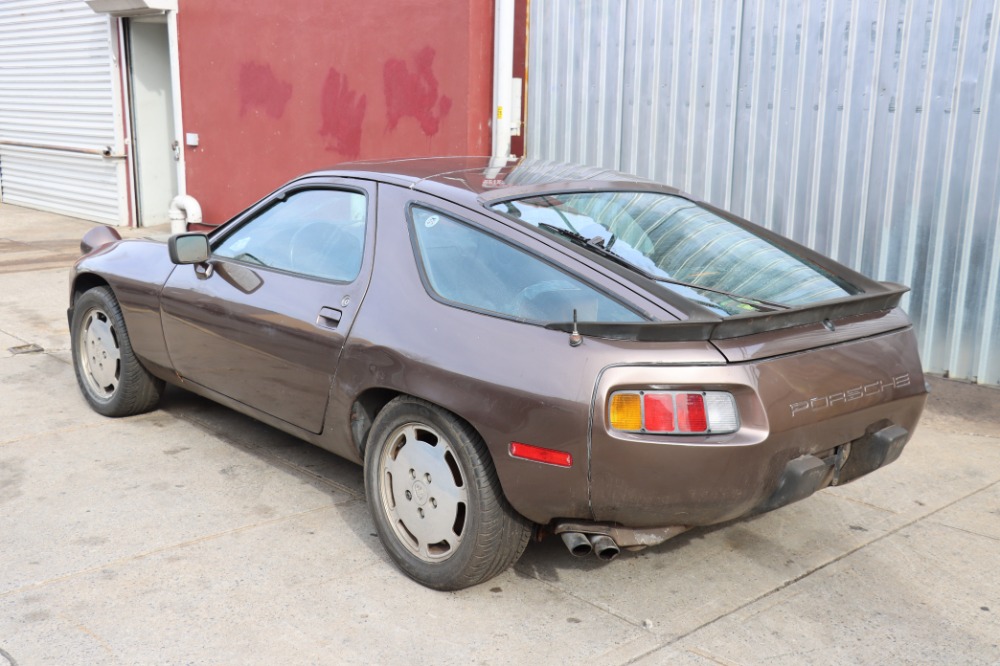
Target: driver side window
(317, 233)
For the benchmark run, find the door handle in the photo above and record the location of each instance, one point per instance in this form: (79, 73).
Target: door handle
(329, 317)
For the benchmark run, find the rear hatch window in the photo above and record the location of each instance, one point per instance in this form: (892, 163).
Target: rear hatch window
(705, 258)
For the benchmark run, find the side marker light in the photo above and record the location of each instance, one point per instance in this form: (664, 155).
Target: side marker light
(542, 455)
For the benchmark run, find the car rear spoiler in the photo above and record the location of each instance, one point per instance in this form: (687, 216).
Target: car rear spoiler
(740, 325)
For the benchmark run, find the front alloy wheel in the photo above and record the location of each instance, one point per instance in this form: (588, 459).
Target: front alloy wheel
(108, 372)
(100, 353)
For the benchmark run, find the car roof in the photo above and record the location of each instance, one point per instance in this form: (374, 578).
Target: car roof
(487, 180)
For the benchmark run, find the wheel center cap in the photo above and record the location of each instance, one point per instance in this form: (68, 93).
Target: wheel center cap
(420, 493)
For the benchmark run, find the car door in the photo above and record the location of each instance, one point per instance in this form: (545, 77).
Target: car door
(265, 319)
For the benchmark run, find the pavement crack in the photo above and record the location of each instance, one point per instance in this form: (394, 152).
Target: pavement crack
(820, 567)
(593, 604)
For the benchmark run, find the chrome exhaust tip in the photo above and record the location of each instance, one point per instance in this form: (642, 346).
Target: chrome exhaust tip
(604, 547)
(577, 543)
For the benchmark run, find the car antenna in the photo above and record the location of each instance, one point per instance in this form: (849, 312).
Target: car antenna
(575, 339)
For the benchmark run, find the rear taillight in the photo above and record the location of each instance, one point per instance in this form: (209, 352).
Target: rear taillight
(674, 412)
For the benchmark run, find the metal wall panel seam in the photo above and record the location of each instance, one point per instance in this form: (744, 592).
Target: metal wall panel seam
(627, 119)
(731, 157)
(655, 156)
(675, 76)
(799, 106)
(870, 134)
(969, 223)
(692, 98)
(620, 83)
(569, 108)
(754, 114)
(629, 146)
(818, 157)
(536, 113)
(602, 81)
(633, 66)
(631, 95)
(569, 79)
(776, 106)
(941, 219)
(986, 335)
(583, 152)
(553, 94)
(845, 130)
(713, 98)
(909, 257)
(991, 355)
(887, 221)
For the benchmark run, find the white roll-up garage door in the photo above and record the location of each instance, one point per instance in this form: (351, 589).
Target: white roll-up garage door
(59, 110)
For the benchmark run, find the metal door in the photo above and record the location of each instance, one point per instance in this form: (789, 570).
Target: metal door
(60, 132)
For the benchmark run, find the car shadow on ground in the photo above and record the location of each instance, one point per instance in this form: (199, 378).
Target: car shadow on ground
(335, 476)
(547, 560)
(324, 471)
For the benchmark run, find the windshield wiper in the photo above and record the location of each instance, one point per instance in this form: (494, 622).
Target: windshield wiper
(597, 242)
(598, 245)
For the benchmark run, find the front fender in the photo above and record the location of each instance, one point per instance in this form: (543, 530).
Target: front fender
(135, 270)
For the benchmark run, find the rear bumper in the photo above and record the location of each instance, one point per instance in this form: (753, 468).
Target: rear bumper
(779, 455)
(806, 474)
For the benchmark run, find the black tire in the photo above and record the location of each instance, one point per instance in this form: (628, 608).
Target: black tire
(110, 377)
(446, 471)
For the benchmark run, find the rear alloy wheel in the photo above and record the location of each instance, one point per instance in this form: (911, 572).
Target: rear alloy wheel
(436, 500)
(111, 378)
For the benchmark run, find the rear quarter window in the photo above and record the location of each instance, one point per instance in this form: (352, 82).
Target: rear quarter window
(468, 267)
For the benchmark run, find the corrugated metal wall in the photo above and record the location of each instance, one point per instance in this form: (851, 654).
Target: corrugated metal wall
(58, 110)
(869, 130)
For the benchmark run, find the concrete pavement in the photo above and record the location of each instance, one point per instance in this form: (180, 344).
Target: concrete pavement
(196, 535)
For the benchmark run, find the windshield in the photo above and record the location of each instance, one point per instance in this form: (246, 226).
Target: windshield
(672, 238)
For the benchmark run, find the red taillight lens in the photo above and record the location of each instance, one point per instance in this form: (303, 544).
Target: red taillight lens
(659, 412)
(691, 413)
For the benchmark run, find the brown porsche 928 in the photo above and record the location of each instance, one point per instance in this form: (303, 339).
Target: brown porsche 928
(513, 349)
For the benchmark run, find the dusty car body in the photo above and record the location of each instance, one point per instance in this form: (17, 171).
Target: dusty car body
(472, 325)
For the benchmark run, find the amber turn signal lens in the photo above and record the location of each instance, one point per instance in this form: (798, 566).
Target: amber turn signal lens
(626, 411)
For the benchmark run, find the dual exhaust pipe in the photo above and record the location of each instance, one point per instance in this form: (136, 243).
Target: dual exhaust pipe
(581, 545)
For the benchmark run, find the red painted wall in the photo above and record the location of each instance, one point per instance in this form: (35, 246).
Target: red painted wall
(274, 89)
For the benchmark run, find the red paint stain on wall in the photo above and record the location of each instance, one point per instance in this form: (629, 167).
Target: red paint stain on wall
(343, 113)
(261, 89)
(414, 94)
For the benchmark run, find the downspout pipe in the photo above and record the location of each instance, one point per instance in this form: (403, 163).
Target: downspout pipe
(184, 210)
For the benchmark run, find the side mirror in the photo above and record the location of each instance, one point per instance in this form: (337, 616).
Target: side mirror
(188, 248)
